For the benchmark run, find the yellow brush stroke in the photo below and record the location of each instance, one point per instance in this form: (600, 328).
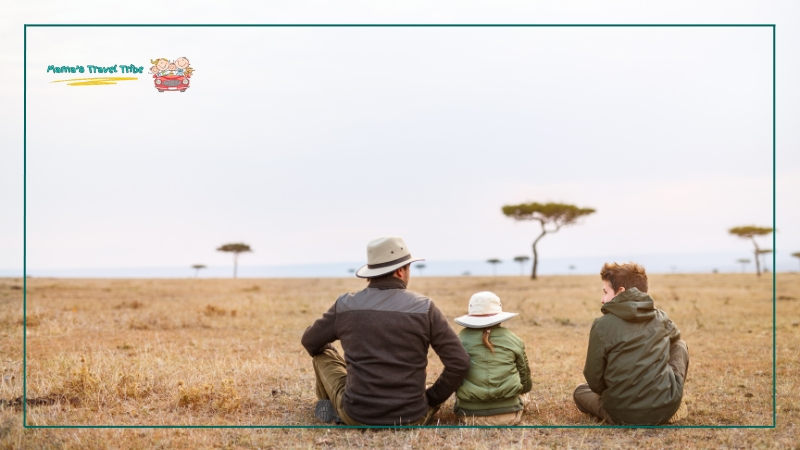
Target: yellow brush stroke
(96, 81)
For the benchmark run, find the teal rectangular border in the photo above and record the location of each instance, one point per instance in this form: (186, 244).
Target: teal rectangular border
(25, 230)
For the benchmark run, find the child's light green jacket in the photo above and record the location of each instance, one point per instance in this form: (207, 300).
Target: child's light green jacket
(494, 381)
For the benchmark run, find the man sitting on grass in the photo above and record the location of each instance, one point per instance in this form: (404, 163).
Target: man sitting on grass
(636, 364)
(385, 331)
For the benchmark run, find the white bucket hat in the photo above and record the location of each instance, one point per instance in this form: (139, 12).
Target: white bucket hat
(385, 255)
(485, 310)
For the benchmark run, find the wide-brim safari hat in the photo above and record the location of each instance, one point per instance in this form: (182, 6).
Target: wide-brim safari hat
(485, 310)
(385, 255)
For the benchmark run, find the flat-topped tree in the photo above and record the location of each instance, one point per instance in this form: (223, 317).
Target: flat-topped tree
(554, 215)
(235, 248)
(750, 232)
(796, 255)
(420, 267)
(494, 262)
(743, 262)
(197, 268)
(763, 252)
(522, 259)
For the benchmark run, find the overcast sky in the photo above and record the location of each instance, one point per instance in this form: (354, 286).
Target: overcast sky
(307, 142)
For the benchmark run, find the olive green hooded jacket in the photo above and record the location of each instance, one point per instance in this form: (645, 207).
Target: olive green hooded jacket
(494, 381)
(626, 363)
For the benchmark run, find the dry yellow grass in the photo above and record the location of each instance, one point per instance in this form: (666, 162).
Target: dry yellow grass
(227, 352)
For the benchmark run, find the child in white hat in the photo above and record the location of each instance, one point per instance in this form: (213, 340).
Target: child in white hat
(492, 392)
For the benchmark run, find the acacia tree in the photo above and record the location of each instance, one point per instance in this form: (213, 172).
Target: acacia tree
(796, 255)
(555, 215)
(420, 267)
(235, 248)
(494, 262)
(763, 252)
(197, 268)
(743, 262)
(750, 232)
(521, 260)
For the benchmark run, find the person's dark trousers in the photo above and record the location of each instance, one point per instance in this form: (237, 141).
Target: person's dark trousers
(589, 402)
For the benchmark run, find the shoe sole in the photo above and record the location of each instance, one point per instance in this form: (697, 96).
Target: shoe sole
(325, 412)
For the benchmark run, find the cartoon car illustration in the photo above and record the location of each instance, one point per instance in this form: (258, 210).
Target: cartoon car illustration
(171, 83)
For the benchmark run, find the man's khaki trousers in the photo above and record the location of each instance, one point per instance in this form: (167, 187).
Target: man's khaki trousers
(331, 376)
(591, 403)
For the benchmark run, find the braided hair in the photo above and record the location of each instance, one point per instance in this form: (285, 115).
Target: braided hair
(485, 338)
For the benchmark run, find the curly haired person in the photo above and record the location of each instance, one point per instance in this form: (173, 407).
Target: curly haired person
(636, 363)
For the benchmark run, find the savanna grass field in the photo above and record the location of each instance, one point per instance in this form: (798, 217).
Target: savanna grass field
(155, 352)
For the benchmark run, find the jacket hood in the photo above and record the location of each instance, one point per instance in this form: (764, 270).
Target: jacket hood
(631, 305)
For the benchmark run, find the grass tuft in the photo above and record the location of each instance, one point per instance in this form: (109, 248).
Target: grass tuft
(225, 398)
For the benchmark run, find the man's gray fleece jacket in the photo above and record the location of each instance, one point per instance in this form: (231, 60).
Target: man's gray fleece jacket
(385, 332)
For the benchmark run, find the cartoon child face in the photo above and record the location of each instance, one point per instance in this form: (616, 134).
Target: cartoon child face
(162, 64)
(171, 66)
(182, 63)
(154, 70)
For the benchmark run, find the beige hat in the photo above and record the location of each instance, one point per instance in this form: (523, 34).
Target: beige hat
(385, 255)
(485, 310)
